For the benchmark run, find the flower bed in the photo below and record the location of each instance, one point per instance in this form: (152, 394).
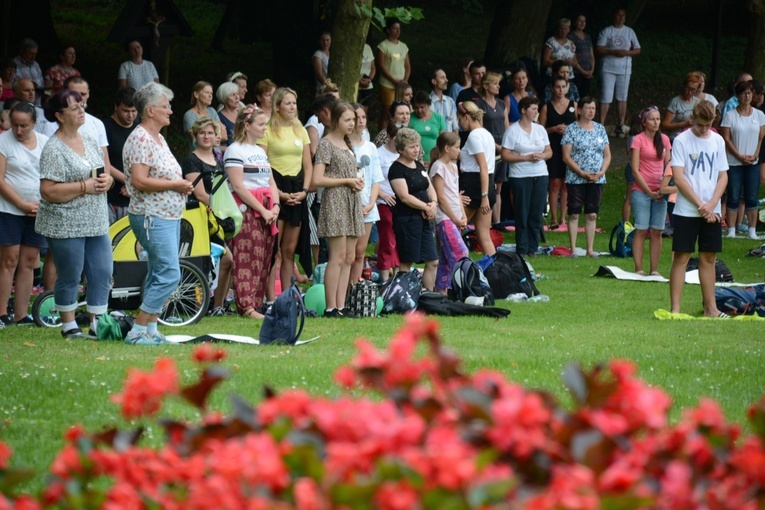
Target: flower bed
(432, 437)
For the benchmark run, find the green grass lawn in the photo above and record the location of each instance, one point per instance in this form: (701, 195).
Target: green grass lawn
(49, 383)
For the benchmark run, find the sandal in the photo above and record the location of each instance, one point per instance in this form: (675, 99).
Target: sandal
(640, 273)
(655, 273)
(253, 314)
(723, 315)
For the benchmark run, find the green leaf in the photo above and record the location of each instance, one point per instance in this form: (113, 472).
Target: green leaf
(575, 381)
(197, 394)
(9, 478)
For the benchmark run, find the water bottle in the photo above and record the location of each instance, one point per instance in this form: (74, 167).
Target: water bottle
(518, 297)
(542, 298)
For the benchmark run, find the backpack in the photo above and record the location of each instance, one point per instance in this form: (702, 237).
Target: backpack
(401, 292)
(722, 272)
(114, 325)
(285, 319)
(434, 303)
(509, 274)
(620, 244)
(468, 280)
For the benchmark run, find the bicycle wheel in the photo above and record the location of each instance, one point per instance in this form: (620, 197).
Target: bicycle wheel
(44, 311)
(189, 301)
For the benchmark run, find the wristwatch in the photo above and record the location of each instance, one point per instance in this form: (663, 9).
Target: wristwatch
(484, 194)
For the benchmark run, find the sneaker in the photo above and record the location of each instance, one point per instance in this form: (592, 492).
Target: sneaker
(6, 320)
(160, 338)
(751, 236)
(26, 321)
(347, 313)
(332, 314)
(218, 311)
(741, 229)
(73, 334)
(143, 338)
(730, 234)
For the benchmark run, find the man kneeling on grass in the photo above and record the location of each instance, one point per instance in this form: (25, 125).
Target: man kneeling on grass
(700, 171)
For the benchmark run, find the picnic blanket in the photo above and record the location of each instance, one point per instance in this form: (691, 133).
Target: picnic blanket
(691, 277)
(220, 337)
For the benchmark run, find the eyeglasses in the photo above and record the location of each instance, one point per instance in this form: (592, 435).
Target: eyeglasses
(165, 106)
(75, 107)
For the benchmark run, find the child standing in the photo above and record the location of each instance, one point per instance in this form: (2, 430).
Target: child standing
(700, 170)
(450, 216)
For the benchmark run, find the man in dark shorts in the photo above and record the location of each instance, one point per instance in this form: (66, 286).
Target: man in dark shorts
(700, 171)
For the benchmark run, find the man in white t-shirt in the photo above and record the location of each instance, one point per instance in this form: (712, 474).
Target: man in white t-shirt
(700, 172)
(93, 127)
(616, 46)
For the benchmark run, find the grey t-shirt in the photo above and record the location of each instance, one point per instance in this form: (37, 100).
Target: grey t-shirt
(81, 216)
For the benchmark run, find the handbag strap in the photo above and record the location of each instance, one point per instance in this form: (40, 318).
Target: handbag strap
(301, 308)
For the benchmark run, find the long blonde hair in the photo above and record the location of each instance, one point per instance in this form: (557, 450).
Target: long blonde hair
(276, 102)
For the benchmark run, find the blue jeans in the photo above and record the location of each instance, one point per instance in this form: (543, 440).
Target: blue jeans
(647, 211)
(159, 239)
(529, 201)
(73, 256)
(747, 176)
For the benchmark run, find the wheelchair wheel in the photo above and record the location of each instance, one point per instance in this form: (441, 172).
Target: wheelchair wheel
(44, 311)
(189, 301)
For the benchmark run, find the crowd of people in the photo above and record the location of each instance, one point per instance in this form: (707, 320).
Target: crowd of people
(442, 162)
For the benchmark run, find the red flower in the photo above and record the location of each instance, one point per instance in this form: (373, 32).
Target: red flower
(308, 495)
(396, 496)
(74, 433)
(66, 463)
(5, 455)
(143, 391)
(206, 353)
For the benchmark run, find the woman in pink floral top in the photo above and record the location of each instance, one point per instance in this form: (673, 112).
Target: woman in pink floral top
(157, 192)
(56, 76)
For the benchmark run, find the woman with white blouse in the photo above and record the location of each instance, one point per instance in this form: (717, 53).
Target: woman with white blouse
(526, 147)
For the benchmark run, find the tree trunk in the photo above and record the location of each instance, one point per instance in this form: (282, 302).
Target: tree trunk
(349, 33)
(754, 59)
(517, 31)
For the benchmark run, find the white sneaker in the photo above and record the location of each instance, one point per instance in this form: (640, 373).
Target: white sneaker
(731, 234)
(751, 235)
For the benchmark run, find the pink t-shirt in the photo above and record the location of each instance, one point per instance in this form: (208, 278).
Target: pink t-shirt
(651, 165)
(451, 178)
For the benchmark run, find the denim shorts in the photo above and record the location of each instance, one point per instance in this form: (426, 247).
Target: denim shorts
(19, 230)
(748, 177)
(647, 211)
(159, 239)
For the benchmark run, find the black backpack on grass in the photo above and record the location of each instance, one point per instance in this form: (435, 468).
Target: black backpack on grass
(468, 280)
(722, 272)
(509, 274)
(285, 318)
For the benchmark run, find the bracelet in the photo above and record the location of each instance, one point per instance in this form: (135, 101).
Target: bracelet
(82, 188)
(277, 203)
(304, 190)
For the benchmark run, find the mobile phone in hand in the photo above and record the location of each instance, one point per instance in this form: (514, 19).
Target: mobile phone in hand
(97, 171)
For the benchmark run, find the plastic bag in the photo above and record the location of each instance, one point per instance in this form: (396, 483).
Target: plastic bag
(224, 208)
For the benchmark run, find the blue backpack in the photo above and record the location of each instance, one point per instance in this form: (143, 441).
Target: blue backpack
(285, 319)
(620, 244)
